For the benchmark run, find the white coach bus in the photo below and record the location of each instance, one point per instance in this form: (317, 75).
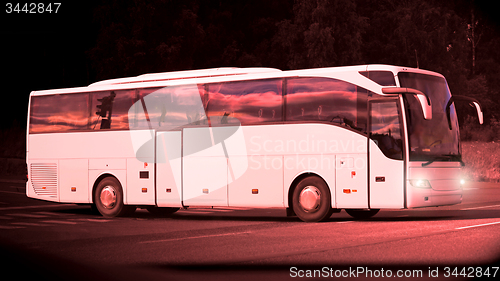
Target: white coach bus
(313, 142)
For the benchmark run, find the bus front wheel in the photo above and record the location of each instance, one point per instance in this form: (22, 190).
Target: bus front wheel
(108, 198)
(312, 200)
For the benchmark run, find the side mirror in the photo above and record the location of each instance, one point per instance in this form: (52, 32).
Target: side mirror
(425, 101)
(472, 101)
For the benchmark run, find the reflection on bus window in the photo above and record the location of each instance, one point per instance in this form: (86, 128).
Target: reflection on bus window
(245, 102)
(327, 100)
(385, 129)
(168, 108)
(110, 109)
(59, 113)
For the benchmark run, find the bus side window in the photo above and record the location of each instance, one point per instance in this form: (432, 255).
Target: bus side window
(245, 102)
(169, 108)
(110, 109)
(326, 100)
(59, 113)
(385, 129)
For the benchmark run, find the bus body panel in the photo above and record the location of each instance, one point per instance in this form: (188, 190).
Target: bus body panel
(80, 159)
(295, 149)
(351, 181)
(261, 185)
(140, 182)
(81, 145)
(270, 156)
(74, 181)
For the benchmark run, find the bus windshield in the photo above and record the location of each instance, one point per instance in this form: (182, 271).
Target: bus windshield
(432, 139)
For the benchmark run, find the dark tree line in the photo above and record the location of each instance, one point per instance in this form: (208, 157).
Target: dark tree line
(120, 38)
(456, 38)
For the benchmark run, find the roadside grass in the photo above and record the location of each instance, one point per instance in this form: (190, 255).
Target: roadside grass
(482, 161)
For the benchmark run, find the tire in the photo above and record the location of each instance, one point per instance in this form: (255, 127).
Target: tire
(312, 200)
(108, 197)
(161, 211)
(362, 213)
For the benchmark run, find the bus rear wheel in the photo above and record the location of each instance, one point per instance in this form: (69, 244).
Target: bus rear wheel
(312, 200)
(108, 198)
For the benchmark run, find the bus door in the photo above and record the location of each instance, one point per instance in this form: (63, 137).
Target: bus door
(386, 154)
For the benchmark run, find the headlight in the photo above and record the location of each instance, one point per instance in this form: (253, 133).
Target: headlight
(420, 183)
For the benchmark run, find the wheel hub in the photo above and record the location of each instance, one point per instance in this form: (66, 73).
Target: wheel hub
(310, 198)
(108, 197)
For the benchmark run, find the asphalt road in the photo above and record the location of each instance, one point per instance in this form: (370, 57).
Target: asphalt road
(55, 241)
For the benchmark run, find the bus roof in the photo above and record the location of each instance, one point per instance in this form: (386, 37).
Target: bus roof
(187, 74)
(224, 74)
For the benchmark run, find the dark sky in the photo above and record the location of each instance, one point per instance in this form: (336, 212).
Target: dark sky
(48, 50)
(43, 51)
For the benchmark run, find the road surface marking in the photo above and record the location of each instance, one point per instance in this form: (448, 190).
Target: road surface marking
(91, 220)
(344, 221)
(207, 210)
(27, 215)
(36, 207)
(29, 224)
(482, 207)
(10, 227)
(198, 212)
(52, 214)
(195, 237)
(60, 222)
(478, 225)
(3, 191)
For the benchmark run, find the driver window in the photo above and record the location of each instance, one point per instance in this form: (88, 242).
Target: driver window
(385, 129)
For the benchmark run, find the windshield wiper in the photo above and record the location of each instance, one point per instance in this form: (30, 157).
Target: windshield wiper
(448, 157)
(435, 159)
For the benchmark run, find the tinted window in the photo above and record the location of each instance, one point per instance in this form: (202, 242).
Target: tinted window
(245, 102)
(59, 113)
(385, 129)
(383, 78)
(110, 109)
(430, 138)
(326, 100)
(169, 107)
